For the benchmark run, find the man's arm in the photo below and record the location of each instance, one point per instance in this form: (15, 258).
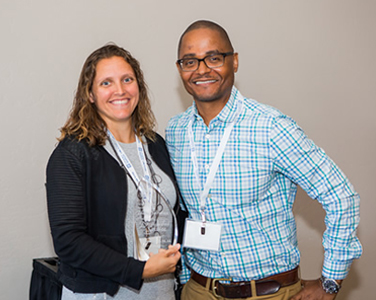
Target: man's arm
(299, 159)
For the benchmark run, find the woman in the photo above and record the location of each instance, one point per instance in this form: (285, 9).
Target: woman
(98, 208)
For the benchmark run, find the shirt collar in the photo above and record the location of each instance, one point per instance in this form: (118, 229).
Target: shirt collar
(227, 113)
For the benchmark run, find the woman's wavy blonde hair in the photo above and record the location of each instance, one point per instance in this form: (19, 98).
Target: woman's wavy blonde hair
(84, 122)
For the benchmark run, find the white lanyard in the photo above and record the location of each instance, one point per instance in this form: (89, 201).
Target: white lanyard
(147, 196)
(217, 159)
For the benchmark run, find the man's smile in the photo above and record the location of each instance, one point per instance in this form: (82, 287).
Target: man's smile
(200, 81)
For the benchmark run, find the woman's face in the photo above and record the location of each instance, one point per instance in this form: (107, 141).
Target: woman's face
(115, 91)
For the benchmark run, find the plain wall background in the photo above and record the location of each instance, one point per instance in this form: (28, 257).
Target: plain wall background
(313, 60)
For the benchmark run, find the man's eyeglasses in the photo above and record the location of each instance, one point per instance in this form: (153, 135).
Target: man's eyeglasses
(211, 61)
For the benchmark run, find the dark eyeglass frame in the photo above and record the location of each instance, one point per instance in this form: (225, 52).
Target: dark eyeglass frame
(199, 60)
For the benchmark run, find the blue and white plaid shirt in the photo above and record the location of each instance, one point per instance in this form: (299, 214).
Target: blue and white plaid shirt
(266, 157)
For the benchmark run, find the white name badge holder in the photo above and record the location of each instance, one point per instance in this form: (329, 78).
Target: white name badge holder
(205, 235)
(143, 246)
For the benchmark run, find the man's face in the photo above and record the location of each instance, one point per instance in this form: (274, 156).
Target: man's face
(207, 84)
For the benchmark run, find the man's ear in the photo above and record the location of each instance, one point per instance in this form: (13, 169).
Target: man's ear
(179, 69)
(236, 62)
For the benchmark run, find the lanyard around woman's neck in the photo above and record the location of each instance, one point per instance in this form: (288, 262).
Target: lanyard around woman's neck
(147, 195)
(217, 159)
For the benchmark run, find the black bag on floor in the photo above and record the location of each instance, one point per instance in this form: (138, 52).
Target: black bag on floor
(44, 284)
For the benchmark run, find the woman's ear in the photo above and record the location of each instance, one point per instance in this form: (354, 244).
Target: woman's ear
(91, 97)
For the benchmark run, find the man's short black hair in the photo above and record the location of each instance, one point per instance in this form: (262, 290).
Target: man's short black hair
(209, 25)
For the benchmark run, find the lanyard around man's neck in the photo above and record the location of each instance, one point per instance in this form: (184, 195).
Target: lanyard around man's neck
(217, 159)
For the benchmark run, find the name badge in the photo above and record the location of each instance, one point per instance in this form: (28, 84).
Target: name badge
(142, 247)
(202, 236)
(151, 244)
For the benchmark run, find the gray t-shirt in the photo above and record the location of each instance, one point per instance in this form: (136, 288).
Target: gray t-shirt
(158, 288)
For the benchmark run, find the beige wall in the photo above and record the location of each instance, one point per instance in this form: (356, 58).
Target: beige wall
(314, 60)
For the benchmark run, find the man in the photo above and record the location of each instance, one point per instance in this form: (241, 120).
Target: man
(238, 164)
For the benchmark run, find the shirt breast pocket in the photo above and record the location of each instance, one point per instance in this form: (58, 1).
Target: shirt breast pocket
(245, 176)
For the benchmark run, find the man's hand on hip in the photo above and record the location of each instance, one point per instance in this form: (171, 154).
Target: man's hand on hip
(312, 290)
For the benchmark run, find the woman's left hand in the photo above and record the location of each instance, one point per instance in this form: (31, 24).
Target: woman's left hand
(163, 262)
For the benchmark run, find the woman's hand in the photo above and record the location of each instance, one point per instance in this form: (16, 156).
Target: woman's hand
(163, 262)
